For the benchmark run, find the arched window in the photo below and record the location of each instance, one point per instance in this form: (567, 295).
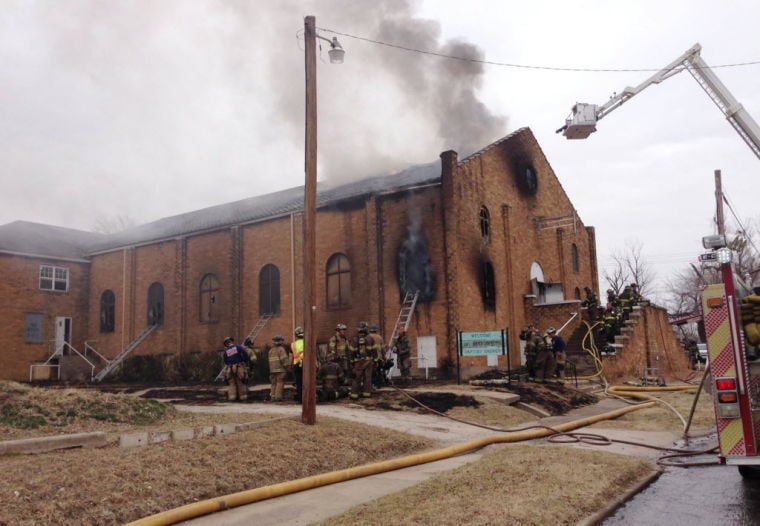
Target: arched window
(574, 256)
(338, 282)
(269, 290)
(209, 305)
(488, 285)
(107, 311)
(577, 293)
(156, 304)
(485, 224)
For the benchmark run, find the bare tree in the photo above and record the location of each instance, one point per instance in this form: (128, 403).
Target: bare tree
(685, 287)
(110, 225)
(630, 266)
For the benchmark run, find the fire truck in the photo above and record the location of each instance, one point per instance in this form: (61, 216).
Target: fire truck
(735, 381)
(729, 321)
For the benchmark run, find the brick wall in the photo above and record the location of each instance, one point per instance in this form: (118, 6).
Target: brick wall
(20, 295)
(369, 231)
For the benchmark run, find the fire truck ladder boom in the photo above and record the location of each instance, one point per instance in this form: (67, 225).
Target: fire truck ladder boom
(110, 366)
(260, 324)
(582, 121)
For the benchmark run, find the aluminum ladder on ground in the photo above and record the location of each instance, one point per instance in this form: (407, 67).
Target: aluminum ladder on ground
(251, 336)
(110, 366)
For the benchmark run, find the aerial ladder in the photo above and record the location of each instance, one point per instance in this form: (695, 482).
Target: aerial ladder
(583, 118)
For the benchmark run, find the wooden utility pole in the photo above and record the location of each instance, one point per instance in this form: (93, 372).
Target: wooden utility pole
(309, 395)
(719, 204)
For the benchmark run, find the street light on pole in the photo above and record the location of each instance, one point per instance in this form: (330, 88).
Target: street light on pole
(309, 395)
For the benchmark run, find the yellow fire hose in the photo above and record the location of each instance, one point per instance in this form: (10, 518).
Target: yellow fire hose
(198, 509)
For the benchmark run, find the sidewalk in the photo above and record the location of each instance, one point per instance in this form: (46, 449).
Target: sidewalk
(312, 506)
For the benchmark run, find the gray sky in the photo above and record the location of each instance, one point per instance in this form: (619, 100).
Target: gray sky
(148, 109)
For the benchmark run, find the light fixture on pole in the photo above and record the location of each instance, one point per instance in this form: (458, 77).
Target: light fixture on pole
(336, 53)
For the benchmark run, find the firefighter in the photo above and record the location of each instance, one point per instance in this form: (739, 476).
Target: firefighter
(279, 363)
(559, 349)
(612, 299)
(403, 354)
(626, 302)
(532, 339)
(236, 360)
(341, 346)
(377, 353)
(253, 359)
(361, 364)
(545, 365)
(590, 303)
(331, 376)
(296, 351)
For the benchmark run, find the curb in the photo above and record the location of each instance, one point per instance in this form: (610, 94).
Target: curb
(617, 502)
(52, 443)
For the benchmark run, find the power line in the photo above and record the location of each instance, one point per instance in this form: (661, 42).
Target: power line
(522, 66)
(738, 221)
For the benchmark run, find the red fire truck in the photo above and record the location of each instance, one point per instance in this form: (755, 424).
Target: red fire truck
(735, 382)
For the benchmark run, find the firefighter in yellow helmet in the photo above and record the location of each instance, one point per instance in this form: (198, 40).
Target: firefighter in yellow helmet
(341, 346)
(296, 350)
(279, 363)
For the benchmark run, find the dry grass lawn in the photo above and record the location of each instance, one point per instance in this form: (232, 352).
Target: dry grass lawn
(521, 484)
(663, 418)
(515, 484)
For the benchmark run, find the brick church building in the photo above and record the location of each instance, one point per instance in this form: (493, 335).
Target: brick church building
(488, 243)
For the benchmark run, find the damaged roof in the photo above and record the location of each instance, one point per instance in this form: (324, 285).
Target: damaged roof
(25, 238)
(35, 239)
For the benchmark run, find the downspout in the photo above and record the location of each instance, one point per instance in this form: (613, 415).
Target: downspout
(379, 263)
(123, 297)
(292, 270)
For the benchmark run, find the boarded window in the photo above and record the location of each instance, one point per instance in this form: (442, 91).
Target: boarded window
(338, 282)
(488, 285)
(107, 311)
(575, 258)
(156, 304)
(208, 305)
(33, 324)
(269, 290)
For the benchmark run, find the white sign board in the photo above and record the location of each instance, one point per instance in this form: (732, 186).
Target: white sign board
(426, 352)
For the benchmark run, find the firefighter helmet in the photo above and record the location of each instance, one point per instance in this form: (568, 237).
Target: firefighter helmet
(278, 339)
(373, 328)
(551, 330)
(298, 332)
(228, 339)
(341, 327)
(363, 325)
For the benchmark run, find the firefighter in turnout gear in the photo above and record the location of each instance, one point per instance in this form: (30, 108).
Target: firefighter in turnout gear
(377, 352)
(559, 348)
(296, 349)
(361, 364)
(236, 374)
(279, 363)
(403, 354)
(591, 303)
(340, 345)
(331, 376)
(545, 364)
(532, 339)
